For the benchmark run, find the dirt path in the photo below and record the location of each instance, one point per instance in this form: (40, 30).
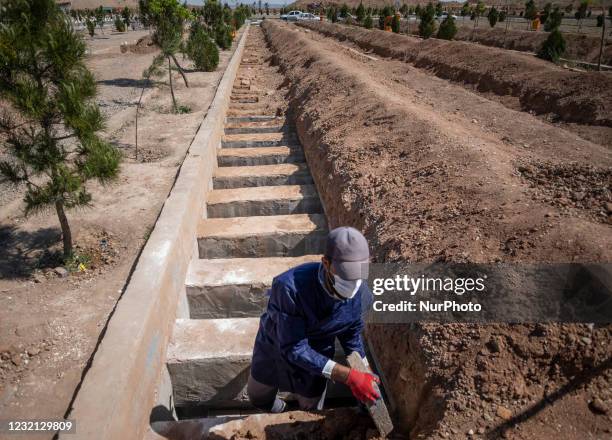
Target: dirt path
(50, 324)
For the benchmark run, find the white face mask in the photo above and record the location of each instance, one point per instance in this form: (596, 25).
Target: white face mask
(346, 288)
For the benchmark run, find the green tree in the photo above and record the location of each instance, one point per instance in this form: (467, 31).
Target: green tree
(438, 9)
(448, 28)
(144, 13)
(478, 11)
(553, 47)
(267, 8)
(119, 24)
(344, 10)
(91, 26)
(395, 23)
(465, 9)
(418, 10)
(202, 49)
(49, 130)
(126, 15)
(100, 15)
(212, 13)
(368, 23)
(545, 12)
(502, 16)
(493, 16)
(223, 36)
(531, 12)
(554, 20)
(427, 26)
(360, 13)
(168, 19)
(600, 20)
(581, 13)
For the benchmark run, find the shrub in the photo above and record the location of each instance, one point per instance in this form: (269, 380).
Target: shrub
(368, 22)
(502, 16)
(493, 16)
(531, 12)
(360, 13)
(448, 29)
(119, 24)
(600, 20)
(202, 49)
(427, 26)
(553, 48)
(91, 27)
(554, 20)
(395, 24)
(223, 36)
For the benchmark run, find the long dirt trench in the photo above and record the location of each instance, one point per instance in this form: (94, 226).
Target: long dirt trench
(263, 217)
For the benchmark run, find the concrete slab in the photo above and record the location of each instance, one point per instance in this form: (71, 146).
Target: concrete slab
(262, 111)
(234, 288)
(234, 157)
(262, 236)
(252, 118)
(262, 175)
(259, 140)
(209, 360)
(263, 200)
(244, 129)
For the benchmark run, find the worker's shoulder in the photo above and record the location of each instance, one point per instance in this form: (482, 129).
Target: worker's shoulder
(290, 278)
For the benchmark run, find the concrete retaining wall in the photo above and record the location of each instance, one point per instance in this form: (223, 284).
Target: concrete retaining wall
(119, 390)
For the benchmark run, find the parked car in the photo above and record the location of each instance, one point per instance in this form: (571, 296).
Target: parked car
(444, 15)
(292, 14)
(308, 16)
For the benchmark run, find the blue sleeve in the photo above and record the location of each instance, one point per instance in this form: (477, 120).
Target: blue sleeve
(351, 339)
(291, 330)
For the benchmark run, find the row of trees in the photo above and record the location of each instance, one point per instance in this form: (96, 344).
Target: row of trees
(389, 19)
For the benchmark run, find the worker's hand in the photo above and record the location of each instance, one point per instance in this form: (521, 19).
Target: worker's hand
(362, 386)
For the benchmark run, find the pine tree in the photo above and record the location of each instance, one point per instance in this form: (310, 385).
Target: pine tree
(168, 18)
(427, 26)
(448, 28)
(554, 20)
(202, 49)
(368, 23)
(360, 13)
(553, 48)
(493, 16)
(126, 15)
(531, 12)
(49, 130)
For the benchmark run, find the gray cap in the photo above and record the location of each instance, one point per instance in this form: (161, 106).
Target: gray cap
(348, 251)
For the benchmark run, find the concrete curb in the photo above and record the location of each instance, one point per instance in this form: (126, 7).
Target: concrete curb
(119, 390)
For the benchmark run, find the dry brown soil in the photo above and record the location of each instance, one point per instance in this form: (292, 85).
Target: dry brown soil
(520, 80)
(49, 325)
(579, 47)
(432, 171)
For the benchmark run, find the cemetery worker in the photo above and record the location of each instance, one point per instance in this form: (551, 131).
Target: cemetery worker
(309, 307)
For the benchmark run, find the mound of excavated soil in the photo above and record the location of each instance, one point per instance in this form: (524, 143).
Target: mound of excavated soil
(540, 86)
(423, 188)
(578, 47)
(144, 45)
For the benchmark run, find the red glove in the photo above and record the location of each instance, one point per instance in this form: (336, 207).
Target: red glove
(362, 386)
